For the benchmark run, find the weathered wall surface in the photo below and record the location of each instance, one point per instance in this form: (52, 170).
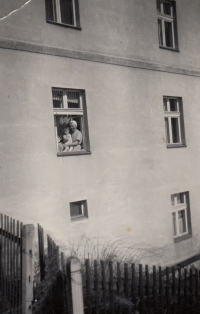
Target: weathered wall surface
(130, 175)
(125, 28)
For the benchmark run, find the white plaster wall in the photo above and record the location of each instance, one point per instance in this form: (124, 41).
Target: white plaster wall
(125, 28)
(130, 175)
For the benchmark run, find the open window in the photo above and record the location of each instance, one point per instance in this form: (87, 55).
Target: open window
(64, 12)
(69, 106)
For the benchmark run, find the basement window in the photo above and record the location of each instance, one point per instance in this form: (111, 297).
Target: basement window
(78, 210)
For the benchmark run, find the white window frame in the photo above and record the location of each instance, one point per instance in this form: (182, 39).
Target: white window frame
(57, 12)
(176, 208)
(169, 18)
(80, 112)
(172, 114)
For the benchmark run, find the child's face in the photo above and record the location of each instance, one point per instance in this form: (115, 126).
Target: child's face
(66, 130)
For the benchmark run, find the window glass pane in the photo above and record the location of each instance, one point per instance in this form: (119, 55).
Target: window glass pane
(173, 105)
(172, 199)
(181, 221)
(182, 198)
(49, 10)
(66, 8)
(167, 8)
(160, 35)
(167, 130)
(175, 130)
(158, 6)
(168, 34)
(76, 209)
(57, 99)
(165, 104)
(73, 99)
(174, 223)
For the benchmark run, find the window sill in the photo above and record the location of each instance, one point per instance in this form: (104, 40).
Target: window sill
(64, 25)
(168, 48)
(80, 152)
(79, 218)
(176, 145)
(181, 238)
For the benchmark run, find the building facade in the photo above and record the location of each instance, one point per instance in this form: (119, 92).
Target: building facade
(128, 74)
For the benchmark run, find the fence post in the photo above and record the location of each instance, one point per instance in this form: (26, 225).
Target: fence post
(76, 286)
(27, 268)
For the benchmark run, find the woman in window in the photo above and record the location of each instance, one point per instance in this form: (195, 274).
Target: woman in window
(76, 136)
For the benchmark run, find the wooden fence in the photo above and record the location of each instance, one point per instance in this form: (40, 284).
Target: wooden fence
(113, 288)
(11, 262)
(16, 266)
(54, 278)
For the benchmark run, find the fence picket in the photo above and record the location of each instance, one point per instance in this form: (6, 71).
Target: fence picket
(167, 291)
(141, 296)
(104, 286)
(111, 288)
(174, 290)
(161, 300)
(179, 288)
(196, 288)
(134, 297)
(154, 289)
(1, 252)
(88, 286)
(147, 287)
(126, 290)
(96, 286)
(185, 289)
(119, 286)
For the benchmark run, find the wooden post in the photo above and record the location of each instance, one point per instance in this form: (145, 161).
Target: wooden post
(27, 268)
(76, 286)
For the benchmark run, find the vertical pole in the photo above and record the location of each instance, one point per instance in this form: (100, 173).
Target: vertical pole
(27, 268)
(76, 286)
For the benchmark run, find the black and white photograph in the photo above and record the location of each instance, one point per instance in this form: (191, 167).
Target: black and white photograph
(99, 156)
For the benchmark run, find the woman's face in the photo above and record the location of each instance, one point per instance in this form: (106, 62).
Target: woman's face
(72, 127)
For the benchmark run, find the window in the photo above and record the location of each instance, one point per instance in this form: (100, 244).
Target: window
(78, 210)
(64, 12)
(167, 26)
(181, 216)
(174, 123)
(70, 116)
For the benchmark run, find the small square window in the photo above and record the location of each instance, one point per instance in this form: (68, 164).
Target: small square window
(167, 25)
(64, 12)
(78, 210)
(71, 126)
(181, 216)
(174, 123)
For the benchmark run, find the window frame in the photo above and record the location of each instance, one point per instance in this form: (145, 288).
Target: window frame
(84, 210)
(79, 112)
(178, 114)
(176, 208)
(172, 18)
(56, 11)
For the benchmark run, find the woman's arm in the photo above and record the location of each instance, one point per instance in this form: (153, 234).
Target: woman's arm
(72, 144)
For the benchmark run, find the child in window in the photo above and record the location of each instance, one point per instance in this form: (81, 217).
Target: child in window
(65, 140)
